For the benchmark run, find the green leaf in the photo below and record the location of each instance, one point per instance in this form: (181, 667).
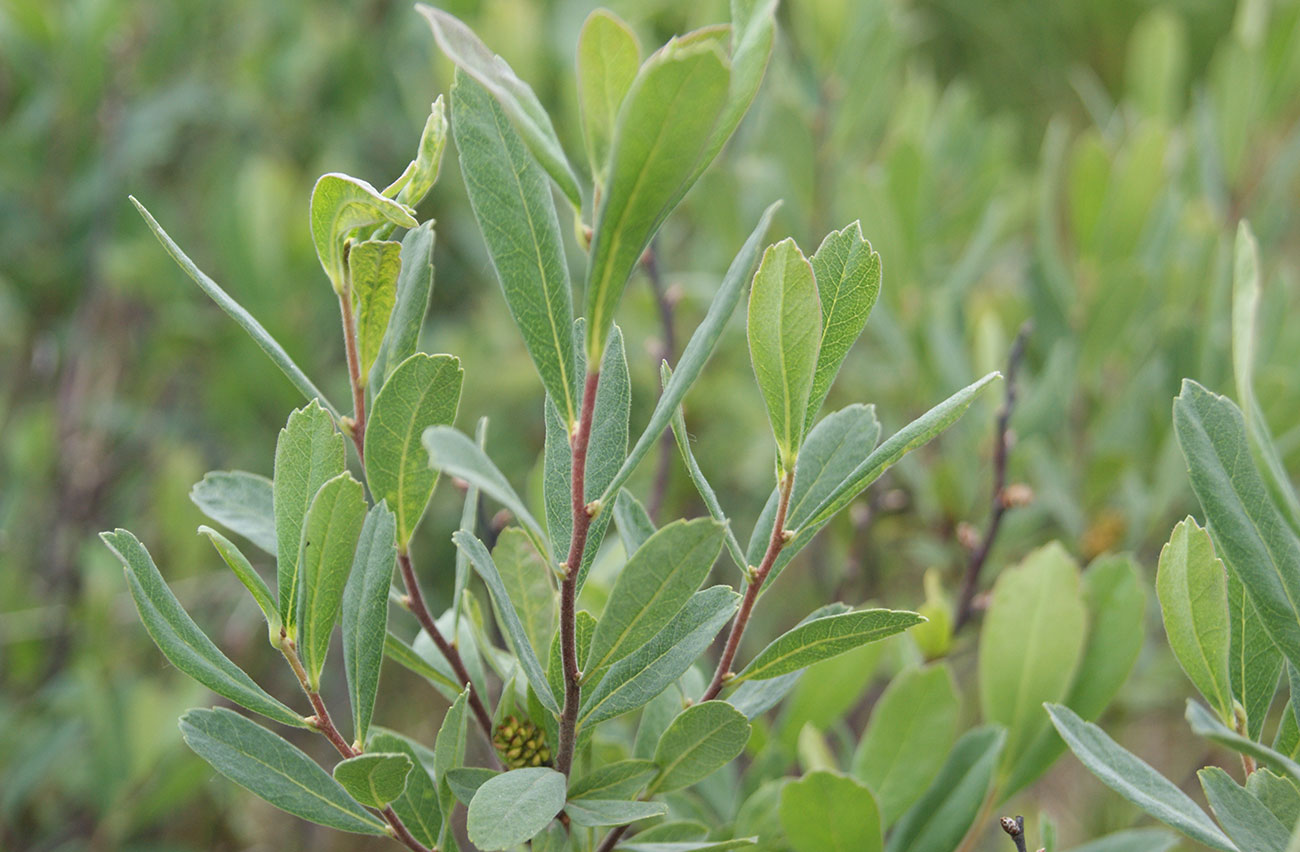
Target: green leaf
(606, 449)
(1031, 642)
(633, 522)
(1245, 310)
(648, 670)
(912, 727)
(675, 831)
(1116, 602)
(464, 782)
(242, 318)
(512, 203)
(942, 816)
(487, 570)
(247, 575)
(418, 804)
(622, 779)
(701, 483)
(340, 203)
(785, 330)
(373, 269)
(653, 586)
(847, 271)
(423, 391)
(414, 284)
(600, 812)
(1244, 818)
(1279, 795)
(702, 739)
(1254, 662)
(526, 578)
(453, 453)
(1136, 781)
(660, 140)
(514, 806)
(239, 501)
(365, 614)
(468, 523)
(915, 434)
(422, 173)
(608, 58)
(828, 812)
(513, 95)
(697, 351)
(181, 640)
(309, 452)
(688, 846)
(374, 779)
(1133, 840)
(329, 541)
(1193, 592)
(831, 453)
(1205, 725)
(271, 768)
(449, 754)
(826, 637)
(1250, 533)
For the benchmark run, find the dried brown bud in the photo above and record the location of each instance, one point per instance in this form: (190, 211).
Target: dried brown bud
(968, 536)
(1017, 494)
(1011, 827)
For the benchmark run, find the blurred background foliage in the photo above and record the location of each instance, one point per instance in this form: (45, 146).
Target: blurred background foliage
(1079, 165)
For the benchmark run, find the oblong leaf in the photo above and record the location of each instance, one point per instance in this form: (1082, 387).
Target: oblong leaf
(1244, 818)
(418, 805)
(527, 581)
(182, 642)
(512, 202)
(1251, 535)
(487, 570)
(608, 58)
(1135, 780)
(414, 284)
(1193, 592)
(912, 727)
(309, 452)
(599, 812)
(945, 812)
(653, 586)
(329, 542)
(247, 575)
(633, 521)
(647, 671)
(828, 812)
(1204, 724)
(661, 135)
(241, 502)
(373, 269)
(374, 779)
(848, 283)
(235, 311)
(697, 351)
(702, 739)
(824, 638)
(514, 96)
(514, 806)
(365, 614)
(622, 779)
(274, 770)
(785, 330)
(407, 657)
(423, 391)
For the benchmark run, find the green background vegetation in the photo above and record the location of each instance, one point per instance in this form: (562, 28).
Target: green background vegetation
(1080, 164)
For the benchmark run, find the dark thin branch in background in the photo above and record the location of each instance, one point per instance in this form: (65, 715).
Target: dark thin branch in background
(1000, 493)
(666, 303)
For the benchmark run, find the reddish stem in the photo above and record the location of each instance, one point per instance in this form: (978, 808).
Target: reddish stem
(354, 375)
(572, 568)
(755, 585)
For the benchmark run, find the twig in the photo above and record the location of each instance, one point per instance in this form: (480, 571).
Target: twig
(1000, 494)
(572, 568)
(324, 723)
(611, 840)
(415, 600)
(668, 351)
(754, 585)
